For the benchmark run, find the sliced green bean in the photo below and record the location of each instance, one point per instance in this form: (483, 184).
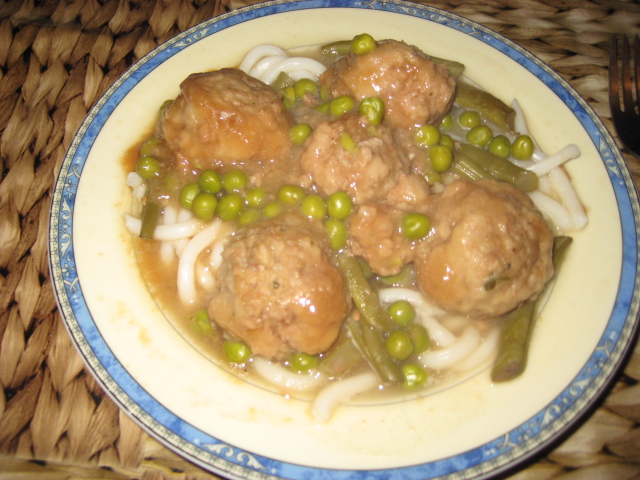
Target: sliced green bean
(340, 358)
(341, 47)
(468, 169)
(364, 297)
(371, 344)
(517, 327)
(150, 217)
(455, 69)
(490, 107)
(283, 80)
(500, 168)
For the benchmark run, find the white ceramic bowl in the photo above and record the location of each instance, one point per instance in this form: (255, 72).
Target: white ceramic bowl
(472, 430)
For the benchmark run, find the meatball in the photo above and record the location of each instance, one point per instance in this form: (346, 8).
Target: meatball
(490, 250)
(366, 172)
(414, 89)
(374, 234)
(226, 118)
(277, 290)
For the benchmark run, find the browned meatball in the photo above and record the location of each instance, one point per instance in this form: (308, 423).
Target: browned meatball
(227, 118)
(366, 172)
(277, 289)
(490, 250)
(414, 89)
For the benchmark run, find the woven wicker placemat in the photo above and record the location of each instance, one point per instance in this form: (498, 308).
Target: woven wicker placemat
(56, 58)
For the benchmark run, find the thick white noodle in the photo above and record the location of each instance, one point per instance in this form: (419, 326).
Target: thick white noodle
(554, 211)
(260, 68)
(339, 392)
(552, 162)
(287, 65)
(454, 353)
(259, 52)
(283, 377)
(425, 312)
(559, 179)
(165, 232)
(167, 251)
(487, 349)
(186, 264)
(204, 277)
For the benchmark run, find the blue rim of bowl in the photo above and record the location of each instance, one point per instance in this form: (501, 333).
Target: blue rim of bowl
(498, 455)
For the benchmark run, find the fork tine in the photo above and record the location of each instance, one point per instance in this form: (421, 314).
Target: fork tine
(627, 87)
(614, 92)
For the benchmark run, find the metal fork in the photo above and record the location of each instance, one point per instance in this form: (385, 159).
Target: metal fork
(626, 117)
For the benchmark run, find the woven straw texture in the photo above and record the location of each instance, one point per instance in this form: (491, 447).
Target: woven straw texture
(56, 58)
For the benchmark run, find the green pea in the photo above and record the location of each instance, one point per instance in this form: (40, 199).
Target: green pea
(373, 109)
(234, 180)
(348, 143)
(149, 146)
(165, 106)
(469, 119)
(415, 226)
(299, 133)
(236, 351)
(432, 177)
(288, 97)
(402, 312)
(305, 85)
(148, 167)
(204, 205)
(426, 135)
(479, 135)
(257, 197)
(398, 345)
(314, 206)
(210, 181)
(447, 121)
(522, 147)
(414, 376)
(420, 338)
(337, 232)
(272, 209)
(230, 206)
(500, 145)
(339, 205)
(247, 216)
(363, 43)
(446, 140)
(440, 157)
(341, 105)
(201, 323)
(302, 362)
(187, 194)
(290, 194)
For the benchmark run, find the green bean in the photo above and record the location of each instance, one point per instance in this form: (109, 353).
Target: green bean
(364, 298)
(455, 69)
(150, 217)
(500, 168)
(490, 107)
(402, 278)
(283, 80)
(341, 47)
(370, 342)
(340, 358)
(517, 328)
(467, 168)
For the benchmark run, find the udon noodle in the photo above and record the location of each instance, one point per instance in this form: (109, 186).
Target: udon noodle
(282, 147)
